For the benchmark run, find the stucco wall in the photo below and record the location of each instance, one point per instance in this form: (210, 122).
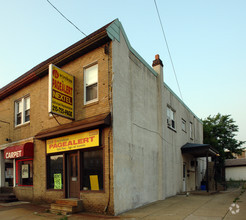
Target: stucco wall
(235, 173)
(145, 149)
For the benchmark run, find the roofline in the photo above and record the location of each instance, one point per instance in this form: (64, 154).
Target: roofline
(113, 31)
(81, 47)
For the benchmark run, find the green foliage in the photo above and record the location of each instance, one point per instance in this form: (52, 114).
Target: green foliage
(220, 131)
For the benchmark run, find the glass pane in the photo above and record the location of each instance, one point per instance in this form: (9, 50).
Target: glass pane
(171, 114)
(25, 175)
(19, 107)
(18, 118)
(8, 174)
(27, 103)
(71, 167)
(168, 112)
(91, 75)
(76, 165)
(27, 115)
(55, 172)
(92, 165)
(91, 92)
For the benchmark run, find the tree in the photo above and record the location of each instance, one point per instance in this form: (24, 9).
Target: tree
(220, 131)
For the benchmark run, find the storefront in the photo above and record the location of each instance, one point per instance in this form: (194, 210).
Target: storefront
(19, 165)
(75, 163)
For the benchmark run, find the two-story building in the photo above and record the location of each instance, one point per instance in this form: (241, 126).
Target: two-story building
(120, 146)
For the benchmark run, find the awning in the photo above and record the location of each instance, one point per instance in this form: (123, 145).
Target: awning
(19, 151)
(74, 127)
(199, 150)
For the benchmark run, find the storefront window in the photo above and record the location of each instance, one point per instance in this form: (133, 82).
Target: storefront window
(24, 176)
(8, 173)
(92, 170)
(55, 172)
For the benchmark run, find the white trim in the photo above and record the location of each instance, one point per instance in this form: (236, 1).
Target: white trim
(14, 170)
(21, 100)
(84, 68)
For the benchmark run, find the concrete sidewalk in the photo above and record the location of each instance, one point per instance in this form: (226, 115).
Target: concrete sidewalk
(192, 207)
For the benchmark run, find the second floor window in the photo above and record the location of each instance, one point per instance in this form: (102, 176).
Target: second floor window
(22, 111)
(183, 125)
(191, 130)
(91, 83)
(170, 118)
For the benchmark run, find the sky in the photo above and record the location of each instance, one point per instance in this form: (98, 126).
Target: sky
(206, 40)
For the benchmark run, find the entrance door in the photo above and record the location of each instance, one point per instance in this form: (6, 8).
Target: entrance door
(73, 177)
(184, 177)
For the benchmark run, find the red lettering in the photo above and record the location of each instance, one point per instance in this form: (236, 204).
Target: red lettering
(92, 138)
(62, 87)
(86, 140)
(70, 143)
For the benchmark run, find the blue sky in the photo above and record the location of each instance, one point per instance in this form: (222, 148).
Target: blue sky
(206, 40)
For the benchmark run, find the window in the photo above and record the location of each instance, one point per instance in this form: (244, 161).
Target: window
(191, 131)
(170, 118)
(9, 173)
(55, 172)
(183, 125)
(92, 165)
(91, 84)
(24, 172)
(22, 111)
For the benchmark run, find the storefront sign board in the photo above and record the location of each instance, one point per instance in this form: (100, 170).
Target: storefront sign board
(61, 92)
(25, 150)
(73, 142)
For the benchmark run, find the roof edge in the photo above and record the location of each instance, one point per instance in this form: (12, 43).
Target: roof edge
(113, 31)
(62, 57)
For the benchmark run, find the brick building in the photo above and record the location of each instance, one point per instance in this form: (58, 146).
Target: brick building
(122, 146)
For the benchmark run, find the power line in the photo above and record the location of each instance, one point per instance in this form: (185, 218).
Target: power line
(66, 18)
(168, 49)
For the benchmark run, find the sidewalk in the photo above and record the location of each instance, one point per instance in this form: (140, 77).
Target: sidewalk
(192, 207)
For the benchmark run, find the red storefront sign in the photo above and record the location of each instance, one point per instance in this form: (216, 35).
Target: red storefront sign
(20, 151)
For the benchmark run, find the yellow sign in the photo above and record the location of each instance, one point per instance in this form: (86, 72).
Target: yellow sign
(61, 92)
(73, 142)
(94, 182)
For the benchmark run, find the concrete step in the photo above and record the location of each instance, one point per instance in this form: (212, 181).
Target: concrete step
(70, 201)
(66, 206)
(8, 197)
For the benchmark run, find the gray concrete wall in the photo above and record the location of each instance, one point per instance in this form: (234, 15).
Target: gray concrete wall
(148, 164)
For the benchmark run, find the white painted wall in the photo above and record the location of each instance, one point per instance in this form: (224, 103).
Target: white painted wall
(235, 173)
(148, 163)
